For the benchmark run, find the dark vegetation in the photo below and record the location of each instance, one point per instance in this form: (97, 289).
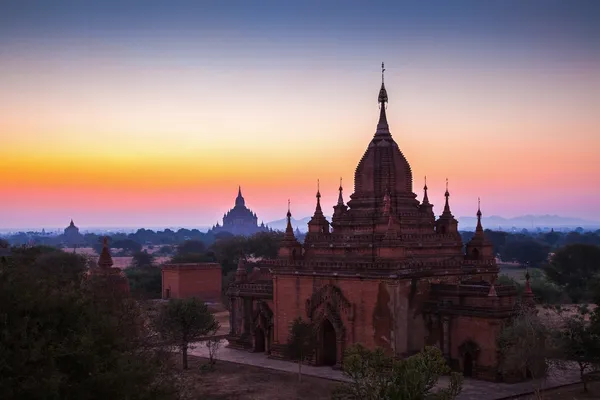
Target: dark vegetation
(63, 335)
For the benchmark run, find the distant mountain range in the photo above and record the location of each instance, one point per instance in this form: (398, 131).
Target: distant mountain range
(494, 222)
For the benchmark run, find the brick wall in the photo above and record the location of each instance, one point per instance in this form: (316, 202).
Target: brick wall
(202, 280)
(381, 313)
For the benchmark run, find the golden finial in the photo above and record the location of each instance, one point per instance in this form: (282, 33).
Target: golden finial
(382, 71)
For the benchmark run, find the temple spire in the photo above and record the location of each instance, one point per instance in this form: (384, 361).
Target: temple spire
(425, 197)
(105, 260)
(288, 228)
(382, 126)
(340, 198)
(239, 201)
(447, 194)
(318, 208)
(479, 226)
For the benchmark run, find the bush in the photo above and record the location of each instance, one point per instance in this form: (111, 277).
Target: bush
(145, 282)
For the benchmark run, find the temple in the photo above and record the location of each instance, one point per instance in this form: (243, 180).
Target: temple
(384, 272)
(112, 279)
(240, 220)
(71, 236)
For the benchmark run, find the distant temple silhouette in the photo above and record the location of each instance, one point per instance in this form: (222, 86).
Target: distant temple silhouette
(72, 237)
(240, 220)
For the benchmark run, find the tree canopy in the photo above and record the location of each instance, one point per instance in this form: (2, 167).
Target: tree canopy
(575, 268)
(375, 376)
(61, 337)
(181, 322)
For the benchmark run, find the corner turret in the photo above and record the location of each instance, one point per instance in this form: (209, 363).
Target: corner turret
(479, 247)
(318, 223)
(290, 248)
(446, 223)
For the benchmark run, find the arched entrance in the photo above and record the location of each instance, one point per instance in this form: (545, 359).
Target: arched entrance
(259, 340)
(468, 365)
(328, 344)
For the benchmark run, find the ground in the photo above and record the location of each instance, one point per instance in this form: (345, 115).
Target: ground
(235, 381)
(573, 392)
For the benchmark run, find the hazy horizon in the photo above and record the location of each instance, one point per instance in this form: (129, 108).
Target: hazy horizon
(122, 115)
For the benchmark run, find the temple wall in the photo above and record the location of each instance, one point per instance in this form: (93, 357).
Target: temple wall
(170, 284)
(382, 313)
(202, 280)
(482, 331)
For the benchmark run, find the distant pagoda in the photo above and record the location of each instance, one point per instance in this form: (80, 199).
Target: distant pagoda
(240, 220)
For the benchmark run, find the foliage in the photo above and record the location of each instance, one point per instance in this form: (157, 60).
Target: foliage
(225, 283)
(545, 292)
(186, 258)
(142, 259)
(127, 245)
(525, 345)
(526, 251)
(184, 321)
(145, 282)
(165, 250)
(4, 244)
(192, 251)
(579, 341)
(374, 375)
(301, 344)
(574, 268)
(191, 246)
(213, 345)
(62, 339)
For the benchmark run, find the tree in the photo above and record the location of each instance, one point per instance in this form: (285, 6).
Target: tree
(191, 246)
(4, 244)
(63, 337)
(127, 245)
(574, 268)
(498, 239)
(213, 344)
(525, 346)
(142, 259)
(165, 250)
(145, 282)
(184, 321)
(579, 340)
(301, 343)
(374, 375)
(192, 251)
(525, 251)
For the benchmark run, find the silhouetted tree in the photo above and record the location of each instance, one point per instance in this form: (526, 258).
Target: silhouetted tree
(574, 268)
(145, 282)
(301, 343)
(181, 322)
(142, 259)
(127, 245)
(64, 337)
(525, 251)
(579, 341)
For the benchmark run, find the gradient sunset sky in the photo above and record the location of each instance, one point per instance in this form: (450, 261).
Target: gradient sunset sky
(150, 113)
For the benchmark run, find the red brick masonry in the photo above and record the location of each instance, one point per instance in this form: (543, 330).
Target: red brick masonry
(201, 280)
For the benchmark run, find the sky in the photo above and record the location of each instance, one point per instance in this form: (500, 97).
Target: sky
(151, 113)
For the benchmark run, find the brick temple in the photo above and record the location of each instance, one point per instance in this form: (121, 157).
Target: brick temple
(384, 272)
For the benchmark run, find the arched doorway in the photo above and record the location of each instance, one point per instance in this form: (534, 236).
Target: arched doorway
(468, 365)
(259, 340)
(328, 344)
(475, 254)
